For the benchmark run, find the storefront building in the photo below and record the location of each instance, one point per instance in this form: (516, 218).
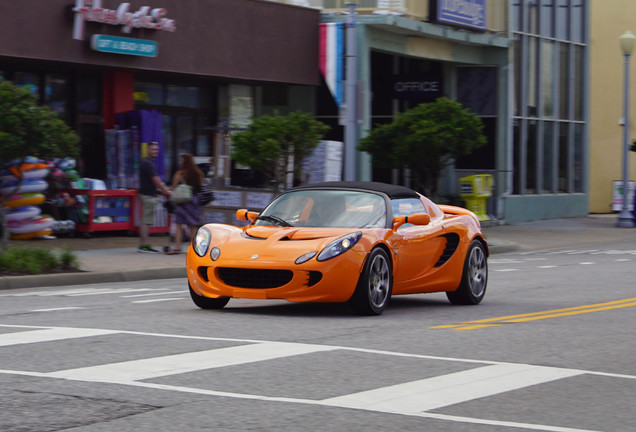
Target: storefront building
(201, 68)
(520, 65)
(206, 68)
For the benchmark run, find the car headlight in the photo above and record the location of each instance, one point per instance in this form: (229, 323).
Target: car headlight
(339, 246)
(201, 241)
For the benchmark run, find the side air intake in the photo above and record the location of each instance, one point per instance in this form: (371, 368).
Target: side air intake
(452, 243)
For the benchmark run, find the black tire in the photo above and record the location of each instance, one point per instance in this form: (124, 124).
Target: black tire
(472, 287)
(206, 302)
(375, 285)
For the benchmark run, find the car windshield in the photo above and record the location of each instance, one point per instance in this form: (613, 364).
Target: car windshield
(326, 208)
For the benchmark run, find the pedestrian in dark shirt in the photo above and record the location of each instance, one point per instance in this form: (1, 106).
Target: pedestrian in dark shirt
(150, 185)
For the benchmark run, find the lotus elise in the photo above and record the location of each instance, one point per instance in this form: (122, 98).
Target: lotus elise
(355, 242)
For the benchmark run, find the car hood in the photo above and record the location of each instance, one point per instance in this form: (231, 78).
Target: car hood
(295, 233)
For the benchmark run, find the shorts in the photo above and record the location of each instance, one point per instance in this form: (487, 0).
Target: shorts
(149, 209)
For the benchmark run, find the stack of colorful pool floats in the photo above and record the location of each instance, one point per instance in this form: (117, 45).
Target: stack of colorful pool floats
(23, 198)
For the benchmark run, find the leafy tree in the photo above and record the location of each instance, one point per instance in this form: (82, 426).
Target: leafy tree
(270, 139)
(425, 139)
(27, 129)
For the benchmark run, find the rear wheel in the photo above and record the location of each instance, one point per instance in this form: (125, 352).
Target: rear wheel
(472, 288)
(374, 286)
(206, 302)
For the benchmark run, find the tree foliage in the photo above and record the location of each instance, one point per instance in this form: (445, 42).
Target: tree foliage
(425, 139)
(270, 139)
(27, 129)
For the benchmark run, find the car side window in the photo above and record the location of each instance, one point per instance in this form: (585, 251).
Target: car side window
(407, 207)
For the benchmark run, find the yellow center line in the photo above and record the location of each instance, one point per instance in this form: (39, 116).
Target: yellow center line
(534, 316)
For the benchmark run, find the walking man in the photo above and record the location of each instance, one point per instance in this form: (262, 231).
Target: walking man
(149, 185)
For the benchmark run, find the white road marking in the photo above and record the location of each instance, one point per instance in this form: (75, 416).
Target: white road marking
(504, 261)
(587, 263)
(137, 370)
(158, 300)
(506, 270)
(106, 291)
(56, 309)
(155, 294)
(50, 334)
(546, 266)
(74, 292)
(560, 252)
(440, 391)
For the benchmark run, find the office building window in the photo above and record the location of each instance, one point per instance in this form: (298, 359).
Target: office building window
(549, 120)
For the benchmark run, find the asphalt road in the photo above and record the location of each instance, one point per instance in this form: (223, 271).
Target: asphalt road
(551, 348)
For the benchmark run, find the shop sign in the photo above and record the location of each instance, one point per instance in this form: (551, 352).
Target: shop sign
(121, 45)
(424, 86)
(465, 13)
(145, 17)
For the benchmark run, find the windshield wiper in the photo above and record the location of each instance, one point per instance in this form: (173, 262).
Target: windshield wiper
(274, 219)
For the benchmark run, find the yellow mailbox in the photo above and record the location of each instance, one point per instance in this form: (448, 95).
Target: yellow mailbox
(475, 190)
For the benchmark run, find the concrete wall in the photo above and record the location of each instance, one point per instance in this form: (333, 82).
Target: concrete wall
(608, 21)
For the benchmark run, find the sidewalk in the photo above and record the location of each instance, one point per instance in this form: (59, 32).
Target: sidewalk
(108, 257)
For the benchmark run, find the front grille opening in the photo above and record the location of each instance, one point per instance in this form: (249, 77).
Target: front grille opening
(254, 278)
(314, 278)
(203, 272)
(452, 243)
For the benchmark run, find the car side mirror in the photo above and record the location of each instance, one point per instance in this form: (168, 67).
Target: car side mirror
(415, 219)
(245, 215)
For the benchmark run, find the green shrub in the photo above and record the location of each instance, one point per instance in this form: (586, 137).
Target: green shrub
(68, 259)
(20, 259)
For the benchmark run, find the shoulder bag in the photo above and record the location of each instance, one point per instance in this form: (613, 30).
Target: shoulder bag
(181, 194)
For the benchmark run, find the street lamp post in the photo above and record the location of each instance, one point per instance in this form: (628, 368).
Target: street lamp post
(627, 46)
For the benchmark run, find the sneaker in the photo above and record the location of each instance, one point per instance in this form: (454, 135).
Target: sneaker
(147, 249)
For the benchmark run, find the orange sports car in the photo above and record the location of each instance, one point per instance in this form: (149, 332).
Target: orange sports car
(356, 242)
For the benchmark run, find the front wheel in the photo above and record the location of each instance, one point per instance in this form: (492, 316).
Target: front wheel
(206, 302)
(472, 287)
(374, 287)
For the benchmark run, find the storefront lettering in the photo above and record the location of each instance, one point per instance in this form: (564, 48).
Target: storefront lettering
(425, 85)
(125, 46)
(121, 45)
(417, 86)
(145, 17)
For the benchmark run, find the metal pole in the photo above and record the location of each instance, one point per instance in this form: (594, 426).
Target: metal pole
(351, 126)
(625, 218)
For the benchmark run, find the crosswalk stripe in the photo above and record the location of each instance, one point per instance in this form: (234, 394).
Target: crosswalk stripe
(440, 391)
(137, 370)
(51, 334)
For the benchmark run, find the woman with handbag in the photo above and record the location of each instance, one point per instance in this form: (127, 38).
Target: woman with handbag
(186, 211)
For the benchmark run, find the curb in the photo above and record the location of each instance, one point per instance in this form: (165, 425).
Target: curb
(60, 279)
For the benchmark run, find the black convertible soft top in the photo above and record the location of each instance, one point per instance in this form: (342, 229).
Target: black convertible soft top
(393, 191)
